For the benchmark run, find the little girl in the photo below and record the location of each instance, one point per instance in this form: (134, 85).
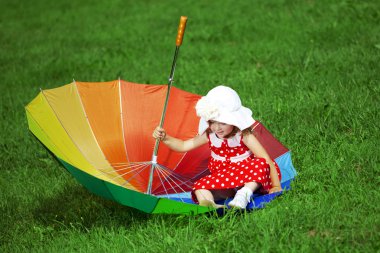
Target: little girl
(239, 164)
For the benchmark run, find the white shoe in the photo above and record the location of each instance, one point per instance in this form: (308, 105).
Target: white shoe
(241, 199)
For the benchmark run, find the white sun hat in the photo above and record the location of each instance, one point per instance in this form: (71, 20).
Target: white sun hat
(223, 104)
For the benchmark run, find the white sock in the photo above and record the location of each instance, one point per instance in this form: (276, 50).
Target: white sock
(242, 198)
(245, 191)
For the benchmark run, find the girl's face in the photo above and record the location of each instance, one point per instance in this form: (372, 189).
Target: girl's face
(220, 129)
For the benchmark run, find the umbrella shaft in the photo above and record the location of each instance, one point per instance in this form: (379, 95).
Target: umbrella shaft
(157, 144)
(167, 97)
(173, 65)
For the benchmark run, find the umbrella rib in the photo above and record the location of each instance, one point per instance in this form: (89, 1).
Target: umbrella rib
(121, 166)
(124, 165)
(183, 157)
(51, 140)
(128, 165)
(200, 173)
(122, 121)
(131, 171)
(138, 173)
(76, 145)
(141, 168)
(180, 161)
(179, 177)
(170, 170)
(188, 180)
(175, 174)
(129, 179)
(183, 182)
(162, 183)
(133, 163)
(121, 163)
(88, 122)
(145, 162)
(136, 167)
(176, 186)
(173, 188)
(168, 177)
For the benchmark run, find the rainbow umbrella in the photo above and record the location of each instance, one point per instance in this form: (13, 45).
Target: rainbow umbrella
(102, 134)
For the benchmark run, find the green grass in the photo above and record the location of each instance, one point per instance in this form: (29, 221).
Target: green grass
(309, 70)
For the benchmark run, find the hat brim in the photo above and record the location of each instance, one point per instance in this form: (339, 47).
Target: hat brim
(242, 119)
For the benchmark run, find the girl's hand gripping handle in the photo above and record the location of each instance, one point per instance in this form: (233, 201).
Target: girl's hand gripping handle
(159, 133)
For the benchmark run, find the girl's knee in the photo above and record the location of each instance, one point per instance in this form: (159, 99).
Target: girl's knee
(203, 194)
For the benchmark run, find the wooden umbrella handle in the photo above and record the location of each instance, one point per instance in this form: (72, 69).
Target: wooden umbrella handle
(181, 30)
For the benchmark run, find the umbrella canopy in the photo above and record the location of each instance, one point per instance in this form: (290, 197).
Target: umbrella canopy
(102, 133)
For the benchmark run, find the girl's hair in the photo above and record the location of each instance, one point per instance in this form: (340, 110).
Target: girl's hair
(247, 131)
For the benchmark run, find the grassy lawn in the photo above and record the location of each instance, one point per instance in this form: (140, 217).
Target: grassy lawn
(309, 70)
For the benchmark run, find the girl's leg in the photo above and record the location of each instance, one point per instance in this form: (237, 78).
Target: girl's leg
(253, 186)
(223, 194)
(206, 198)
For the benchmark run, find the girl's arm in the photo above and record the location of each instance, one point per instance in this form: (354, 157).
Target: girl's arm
(178, 144)
(255, 146)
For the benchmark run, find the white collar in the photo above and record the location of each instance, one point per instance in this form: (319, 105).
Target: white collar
(232, 142)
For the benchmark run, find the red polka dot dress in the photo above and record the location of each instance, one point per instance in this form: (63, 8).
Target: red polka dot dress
(232, 165)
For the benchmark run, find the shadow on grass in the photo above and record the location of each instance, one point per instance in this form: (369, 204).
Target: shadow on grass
(77, 208)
